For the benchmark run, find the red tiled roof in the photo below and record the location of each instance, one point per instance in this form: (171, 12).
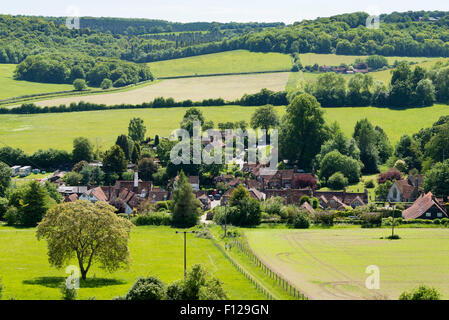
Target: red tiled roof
(307, 206)
(97, 193)
(405, 188)
(71, 198)
(420, 207)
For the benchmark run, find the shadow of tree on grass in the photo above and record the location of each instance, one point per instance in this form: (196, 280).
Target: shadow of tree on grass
(55, 282)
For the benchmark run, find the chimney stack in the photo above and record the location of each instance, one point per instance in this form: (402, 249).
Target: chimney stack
(136, 181)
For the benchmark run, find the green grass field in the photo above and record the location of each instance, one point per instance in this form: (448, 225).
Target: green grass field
(57, 130)
(14, 88)
(158, 251)
(224, 62)
(331, 263)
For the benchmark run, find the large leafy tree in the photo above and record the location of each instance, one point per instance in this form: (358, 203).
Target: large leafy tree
(5, 177)
(302, 131)
(114, 161)
(264, 117)
(366, 138)
(438, 146)
(91, 233)
(336, 162)
(123, 142)
(437, 179)
(408, 150)
(82, 150)
(136, 130)
(191, 115)
(147, 168)
(32, 202)
(186, 206)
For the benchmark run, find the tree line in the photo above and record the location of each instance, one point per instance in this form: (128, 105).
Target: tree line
(341, 34)
(65, 68)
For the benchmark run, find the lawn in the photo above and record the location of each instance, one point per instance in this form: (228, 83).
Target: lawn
(224, 62)
(57, 130)
(14, 88)
(331, 263)
(158, 251)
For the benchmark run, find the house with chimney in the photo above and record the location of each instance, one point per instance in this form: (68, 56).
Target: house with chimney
(425, 207)
(407, 190)
(125, 195)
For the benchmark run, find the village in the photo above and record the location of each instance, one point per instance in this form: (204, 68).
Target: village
(291, 185)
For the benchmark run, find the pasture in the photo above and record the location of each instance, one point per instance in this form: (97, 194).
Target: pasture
(57, 130)
(157, 251)
(331, 263)
(196, 89)
(14, 88)
(236, 61)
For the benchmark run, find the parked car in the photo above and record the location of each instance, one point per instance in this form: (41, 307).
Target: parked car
(217, 196)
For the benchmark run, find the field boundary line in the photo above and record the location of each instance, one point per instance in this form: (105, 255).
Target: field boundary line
(222, 74)
(259, 286)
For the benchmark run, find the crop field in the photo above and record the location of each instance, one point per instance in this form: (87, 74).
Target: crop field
(224, 62)
(196, 89)
(331, 263)
(57, 130)
(14, 88)
(157, 251)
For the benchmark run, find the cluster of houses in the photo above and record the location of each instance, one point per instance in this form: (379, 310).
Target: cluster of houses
(359, 68)
(290, 184)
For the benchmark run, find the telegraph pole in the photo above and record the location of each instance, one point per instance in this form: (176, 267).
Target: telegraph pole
(185, 250)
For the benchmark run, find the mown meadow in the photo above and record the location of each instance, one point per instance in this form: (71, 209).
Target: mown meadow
(57, 130)
(156, 251)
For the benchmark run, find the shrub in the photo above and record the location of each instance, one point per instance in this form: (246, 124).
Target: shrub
(150, 288)
(391, 175)
(315, 203)
(369, 184)
(273, 205)
(67, 293)
(106, 84)
(79, 84)
(159, 218)
(324, 218)
(304, 199)
(421, 293)
(337, 181)
(175, 291)
(289, 213)
(401, 165)
(371, 220)
(302, 221)
(162, 205)
(12, 216)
